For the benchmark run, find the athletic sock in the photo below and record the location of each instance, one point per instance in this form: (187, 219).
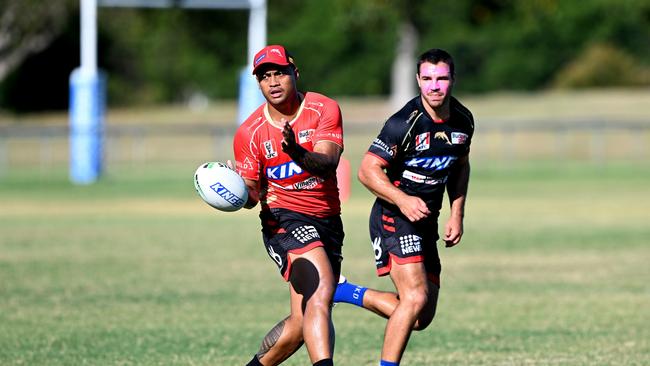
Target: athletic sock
(388, 363)
(325, 362)
(349, 292)
(255, 362)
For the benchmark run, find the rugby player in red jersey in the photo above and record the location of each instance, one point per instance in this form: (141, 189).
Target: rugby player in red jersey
(287, 151)
(421, 151)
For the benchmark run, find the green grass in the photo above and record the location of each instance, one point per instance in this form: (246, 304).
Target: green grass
(136, 270)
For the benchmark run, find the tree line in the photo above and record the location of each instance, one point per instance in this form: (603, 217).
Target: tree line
(343, 47)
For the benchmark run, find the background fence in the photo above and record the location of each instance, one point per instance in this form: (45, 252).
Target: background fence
(45, 148)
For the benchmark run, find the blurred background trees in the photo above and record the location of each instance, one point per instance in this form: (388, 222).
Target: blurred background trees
(343, 47)
(28, 27)
(33, 36)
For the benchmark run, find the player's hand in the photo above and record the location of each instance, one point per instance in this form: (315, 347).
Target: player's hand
(413, 208)
(289, 139)
(230, 164)
(453, 231)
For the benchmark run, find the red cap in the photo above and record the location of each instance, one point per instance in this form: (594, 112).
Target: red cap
(273, 54)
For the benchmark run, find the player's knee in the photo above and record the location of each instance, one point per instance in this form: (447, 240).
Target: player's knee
(323, 296)
(327, 289)
(427, 314)
(320, 303)
(416, 300)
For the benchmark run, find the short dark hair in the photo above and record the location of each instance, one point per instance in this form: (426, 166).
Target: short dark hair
(434, 56)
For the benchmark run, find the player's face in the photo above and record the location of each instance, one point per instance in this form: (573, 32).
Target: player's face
(278, 84)
(435, 82)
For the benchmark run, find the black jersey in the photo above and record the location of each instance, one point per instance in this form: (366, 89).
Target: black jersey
(420, 152)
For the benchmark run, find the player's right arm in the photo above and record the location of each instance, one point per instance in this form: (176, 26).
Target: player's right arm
(253, 187)
(372, 174)
(383, 152)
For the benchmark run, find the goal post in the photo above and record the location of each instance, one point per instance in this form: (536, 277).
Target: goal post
(88, 85)
(87, 103)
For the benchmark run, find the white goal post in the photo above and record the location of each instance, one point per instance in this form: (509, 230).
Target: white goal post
(87, 83)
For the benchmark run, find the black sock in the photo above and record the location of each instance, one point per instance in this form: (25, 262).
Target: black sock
(255, 362)
(325, 362)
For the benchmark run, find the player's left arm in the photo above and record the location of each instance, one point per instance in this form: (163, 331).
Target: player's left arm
(321, 162)
(457, 184)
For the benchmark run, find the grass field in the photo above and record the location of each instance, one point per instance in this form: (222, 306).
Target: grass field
(136, 270)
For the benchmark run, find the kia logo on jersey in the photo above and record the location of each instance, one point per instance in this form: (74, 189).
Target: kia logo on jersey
(269, 149)
(433, 163)
(422, 141)
(283, 171)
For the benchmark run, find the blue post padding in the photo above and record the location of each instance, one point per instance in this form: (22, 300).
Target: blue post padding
(87, 104)
(250, 96)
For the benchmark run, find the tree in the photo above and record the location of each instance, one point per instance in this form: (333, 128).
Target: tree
(28, 27)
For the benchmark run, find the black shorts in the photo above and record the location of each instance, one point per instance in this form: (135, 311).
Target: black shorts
(285, 231)
(395, 238)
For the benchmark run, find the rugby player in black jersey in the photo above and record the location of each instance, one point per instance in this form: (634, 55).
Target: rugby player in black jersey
(421, 151)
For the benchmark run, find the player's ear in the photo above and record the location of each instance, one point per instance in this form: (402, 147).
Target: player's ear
(296, 72)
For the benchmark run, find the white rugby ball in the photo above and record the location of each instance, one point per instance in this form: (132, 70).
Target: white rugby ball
(220, 187)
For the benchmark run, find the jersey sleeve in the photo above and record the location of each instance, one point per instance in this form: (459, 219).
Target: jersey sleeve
(386, 145)
(330, 126)
(466, 125)
(246, 157)
(466, 137)
(470, 133)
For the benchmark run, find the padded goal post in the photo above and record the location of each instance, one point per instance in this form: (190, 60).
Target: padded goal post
(87, 104)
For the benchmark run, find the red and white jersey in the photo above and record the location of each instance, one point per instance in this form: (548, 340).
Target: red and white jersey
(259, 156)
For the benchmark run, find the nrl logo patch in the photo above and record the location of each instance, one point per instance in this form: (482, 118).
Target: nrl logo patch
(269, 149)
(442, 136)
(423, 141)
